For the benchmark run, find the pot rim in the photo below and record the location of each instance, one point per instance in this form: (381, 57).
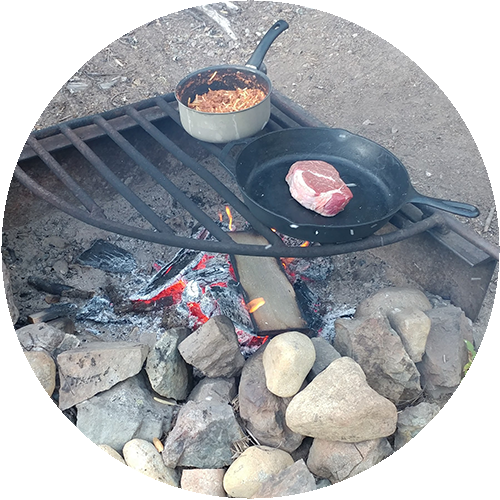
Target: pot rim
(248, 69)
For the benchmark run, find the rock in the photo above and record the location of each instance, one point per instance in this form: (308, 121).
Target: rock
(378, 349)
(263, 412)
(47, 419)
(204, 481)
(95, 367)
(103, 468)
(40, 336)
(214, 349)
(337, 461)
(203, 436)
(446, 352)
(325, 489)
(124, 412)
(325, 354)
(222, 390)
(293, 480)
(391, 298)
(253, 468)
(13, 310)
(413, 326)
(167, 371)
(58, 451)
(415, 439)
(19, 451)
(28, 381)
(142, 456)
(287, 360)
(339, 405)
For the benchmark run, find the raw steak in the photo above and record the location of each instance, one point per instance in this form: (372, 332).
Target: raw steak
(317, 186)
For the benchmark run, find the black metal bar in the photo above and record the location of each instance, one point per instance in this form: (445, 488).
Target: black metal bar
(169, 186)
(208, 177)
(65, 178)
(294, 111)
(117, 184)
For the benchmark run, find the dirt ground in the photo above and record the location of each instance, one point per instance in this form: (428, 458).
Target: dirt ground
(398, 73)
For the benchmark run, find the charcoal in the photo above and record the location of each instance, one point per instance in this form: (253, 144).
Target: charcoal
(100, 310)
(108, 257)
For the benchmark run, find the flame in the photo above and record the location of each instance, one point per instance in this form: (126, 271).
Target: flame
(255, 304)
(230, 216)
(221, 218)
(305, 244)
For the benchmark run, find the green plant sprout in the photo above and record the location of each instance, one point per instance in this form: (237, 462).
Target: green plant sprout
(474, 367)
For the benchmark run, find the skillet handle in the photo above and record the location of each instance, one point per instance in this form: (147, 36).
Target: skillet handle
(227, 161)
(260, 52)
(454, 207)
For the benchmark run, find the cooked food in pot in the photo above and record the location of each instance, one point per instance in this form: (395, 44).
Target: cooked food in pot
(227, 101)
(317, 186)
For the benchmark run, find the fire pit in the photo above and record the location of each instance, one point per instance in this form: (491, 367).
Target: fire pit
(142, 140)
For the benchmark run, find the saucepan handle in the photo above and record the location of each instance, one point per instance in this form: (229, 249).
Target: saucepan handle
(454, 207)
(260, 52)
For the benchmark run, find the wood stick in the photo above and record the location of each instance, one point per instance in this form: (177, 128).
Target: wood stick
(489, 219)
(203, 6)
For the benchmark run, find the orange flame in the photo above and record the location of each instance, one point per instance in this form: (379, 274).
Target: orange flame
(220, 217)
(305, 244)
(254, 304)
(230, 216)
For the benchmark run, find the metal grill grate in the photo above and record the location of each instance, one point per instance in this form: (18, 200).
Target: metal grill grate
(79, 133)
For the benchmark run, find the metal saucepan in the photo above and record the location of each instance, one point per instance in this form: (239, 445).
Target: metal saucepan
(378, 180)
(226, 127)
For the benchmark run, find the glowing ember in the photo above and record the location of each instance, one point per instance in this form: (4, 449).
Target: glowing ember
(255, 304)
(230, 216)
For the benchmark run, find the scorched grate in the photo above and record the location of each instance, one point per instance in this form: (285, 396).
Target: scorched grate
(148, 115)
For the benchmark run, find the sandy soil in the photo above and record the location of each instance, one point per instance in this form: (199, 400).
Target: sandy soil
(395, 72)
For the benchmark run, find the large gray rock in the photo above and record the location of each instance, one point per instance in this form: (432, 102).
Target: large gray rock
(40, 336)
(262, 411)
(446, 352)
(19, 452)
(214, 349)
(391, 298)
(254, 467)
(28, 381)
(337, 461)
(96, 367)
(378, 349)
(124, 412)
(13, 310)
(167, 371)
(58, 451)
(293, 480)
(339, 405)
(47, 419)
(415, 440)
(103, 468)
(325, 354)
(287, 360)
(203, 436)
(222, 390)
(142, 456)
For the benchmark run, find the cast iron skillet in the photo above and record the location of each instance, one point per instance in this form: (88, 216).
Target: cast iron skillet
(378, 180)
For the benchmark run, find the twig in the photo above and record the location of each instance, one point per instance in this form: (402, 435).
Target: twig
(489, 219)
(220, 20)
(37, 26)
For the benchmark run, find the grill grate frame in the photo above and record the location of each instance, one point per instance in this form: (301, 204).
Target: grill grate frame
(79, 132)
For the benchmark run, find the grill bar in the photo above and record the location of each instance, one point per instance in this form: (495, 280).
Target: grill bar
(145, 114)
